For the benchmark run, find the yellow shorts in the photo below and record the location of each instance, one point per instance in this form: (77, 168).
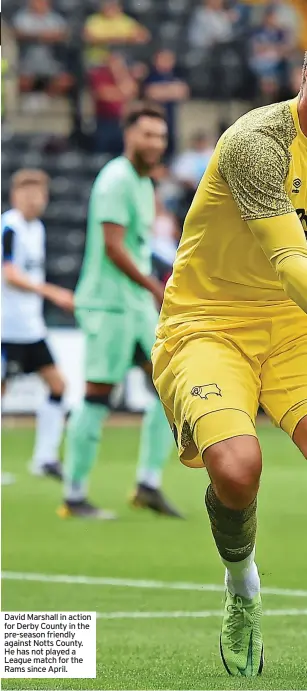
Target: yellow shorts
(212, 380)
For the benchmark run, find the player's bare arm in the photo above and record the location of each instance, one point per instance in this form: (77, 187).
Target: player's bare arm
(61, 297)
(116, 251)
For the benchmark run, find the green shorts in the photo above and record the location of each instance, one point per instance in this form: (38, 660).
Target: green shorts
(115, 341)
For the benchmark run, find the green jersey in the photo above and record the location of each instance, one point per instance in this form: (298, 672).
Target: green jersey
(119, 195)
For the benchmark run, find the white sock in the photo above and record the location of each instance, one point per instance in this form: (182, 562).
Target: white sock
(151, 478)
(75, 493)
(49, 430)
(242, 577)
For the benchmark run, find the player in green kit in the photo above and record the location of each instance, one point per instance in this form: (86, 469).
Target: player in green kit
(115, 307)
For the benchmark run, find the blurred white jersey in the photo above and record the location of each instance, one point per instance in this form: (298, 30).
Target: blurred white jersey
(23, 244)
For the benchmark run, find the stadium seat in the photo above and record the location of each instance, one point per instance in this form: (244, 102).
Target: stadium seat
(12, 142)
(5, 188)
(30, 159)
(11, 161)
(170, 34)
(55, 316)
(70, 160)
(139, 7)
(63, 264)
(75, 240)
(71, 213)
(64, 187)
(69, 7)
(56, 165)
(5, 161)
(70, 241)
(10, 7)
(95, 162)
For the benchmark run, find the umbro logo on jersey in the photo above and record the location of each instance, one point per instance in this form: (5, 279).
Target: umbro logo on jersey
(206, 390)
(297, 183)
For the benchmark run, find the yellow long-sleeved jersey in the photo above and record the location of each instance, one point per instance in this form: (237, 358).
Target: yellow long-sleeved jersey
(244, 239)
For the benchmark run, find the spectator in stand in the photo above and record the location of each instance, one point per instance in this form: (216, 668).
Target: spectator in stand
(189, 167)
(211, 23)
(288, 19)
(239, 14)
(163, 86)
(42, 34)
(4, 70)
(139, 71)
(111, 26)
(112, 87)
(299, 6)
(295, 78)
(270, 46)
(292, 16)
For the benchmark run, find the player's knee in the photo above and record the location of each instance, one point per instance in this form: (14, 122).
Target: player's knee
(57, 387)
(98, 393)
(235, 467)
(53, 378)
(300, 436)
(56, 383)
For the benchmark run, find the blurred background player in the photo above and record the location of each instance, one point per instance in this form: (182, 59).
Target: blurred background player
(115, 307)
(23, 331)
(235, 314)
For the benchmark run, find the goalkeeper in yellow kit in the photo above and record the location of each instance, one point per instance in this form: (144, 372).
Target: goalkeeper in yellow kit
(233, 334)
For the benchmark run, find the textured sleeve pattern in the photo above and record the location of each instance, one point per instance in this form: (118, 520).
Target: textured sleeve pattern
(255, 165)
(284, 243)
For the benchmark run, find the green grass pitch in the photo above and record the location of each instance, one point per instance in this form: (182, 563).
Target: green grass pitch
(161, 652)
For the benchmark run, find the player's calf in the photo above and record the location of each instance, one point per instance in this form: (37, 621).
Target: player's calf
(153, 456)
(300, 436)
(231, 500)
(55, 381)
(83, 437)
(49, 425)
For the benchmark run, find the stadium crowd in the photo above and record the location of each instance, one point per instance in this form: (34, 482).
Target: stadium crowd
(95, 57)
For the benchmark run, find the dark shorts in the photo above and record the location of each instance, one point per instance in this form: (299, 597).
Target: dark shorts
(161, 269)
(24, 358)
